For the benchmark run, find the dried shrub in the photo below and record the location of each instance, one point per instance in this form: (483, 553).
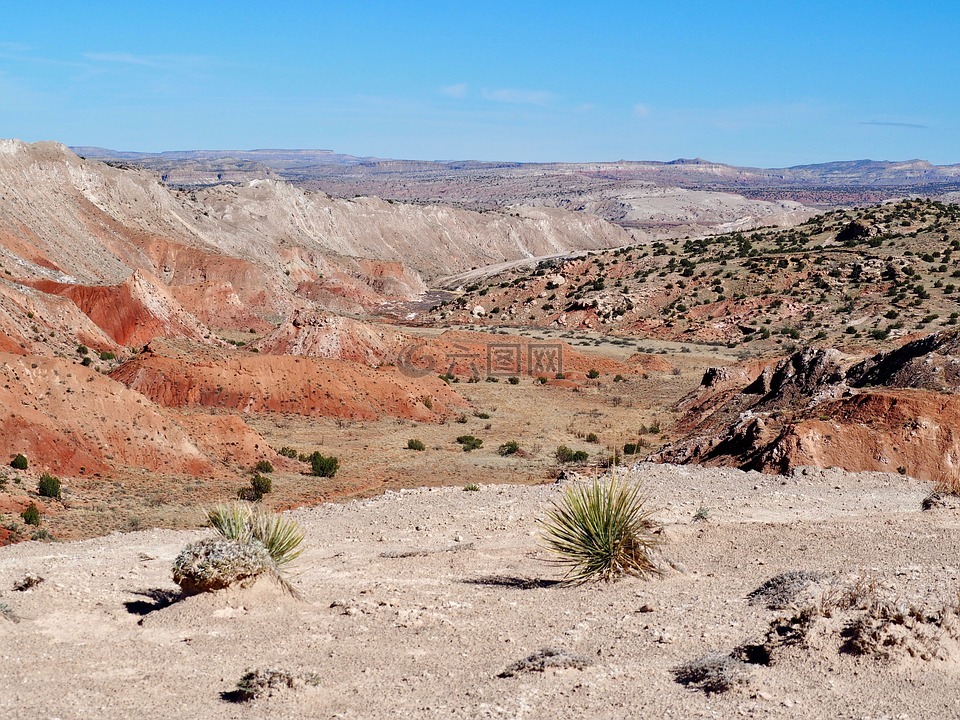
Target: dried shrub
(782, 590)
(712, 673)
(548, 658)
(252, 543)
(255, 684)
(218, 563)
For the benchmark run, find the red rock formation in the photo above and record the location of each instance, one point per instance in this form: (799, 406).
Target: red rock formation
(896, 412)
(181, 375)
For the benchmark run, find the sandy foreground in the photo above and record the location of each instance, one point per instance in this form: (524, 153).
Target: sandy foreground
(415, 602)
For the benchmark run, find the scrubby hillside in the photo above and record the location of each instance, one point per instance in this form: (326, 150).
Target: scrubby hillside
(853, 279)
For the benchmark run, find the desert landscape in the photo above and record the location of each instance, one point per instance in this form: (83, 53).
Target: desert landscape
(417, 403)
(516, 361)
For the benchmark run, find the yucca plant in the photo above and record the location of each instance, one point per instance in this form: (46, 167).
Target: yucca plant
(244, 522)
(601, 530)
(252, 542)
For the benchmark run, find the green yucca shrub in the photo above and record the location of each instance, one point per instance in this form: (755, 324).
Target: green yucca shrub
(601, 530)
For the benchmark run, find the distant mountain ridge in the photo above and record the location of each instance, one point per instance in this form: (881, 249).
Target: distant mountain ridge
(643, 195)
(847, 172)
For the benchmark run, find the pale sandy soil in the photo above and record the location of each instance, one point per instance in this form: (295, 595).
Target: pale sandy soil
(415, 601)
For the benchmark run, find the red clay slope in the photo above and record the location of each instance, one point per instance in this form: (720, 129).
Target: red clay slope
(185, 375)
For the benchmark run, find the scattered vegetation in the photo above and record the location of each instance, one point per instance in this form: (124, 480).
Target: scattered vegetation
(260, 485)
(264, 466)
(413, 444)
(19, 462)
(471, 487)
(255, 684)
(712, 673)
(548, 658)
(511, 447)
(566, 455)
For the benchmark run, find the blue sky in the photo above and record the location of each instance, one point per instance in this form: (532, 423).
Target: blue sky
(750, 83)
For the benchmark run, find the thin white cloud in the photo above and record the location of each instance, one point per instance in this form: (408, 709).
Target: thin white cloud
(519, 97)
(455, 91)
(160, 62)
(914, 126)
(14, 47)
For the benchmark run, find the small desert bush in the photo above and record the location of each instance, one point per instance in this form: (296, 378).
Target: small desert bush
(260, 485)
(288, 452)
(471, 487)
(259, 683)
(593, 374)
(566, 455)
(322, 465)
(49, 486)
(414, 444)
(31, 516)
(712, 673)
(19, 462)
(469, 442)
(513, 380)
(264, 466)
(592, 438)
(601, 530)
(510, 447)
